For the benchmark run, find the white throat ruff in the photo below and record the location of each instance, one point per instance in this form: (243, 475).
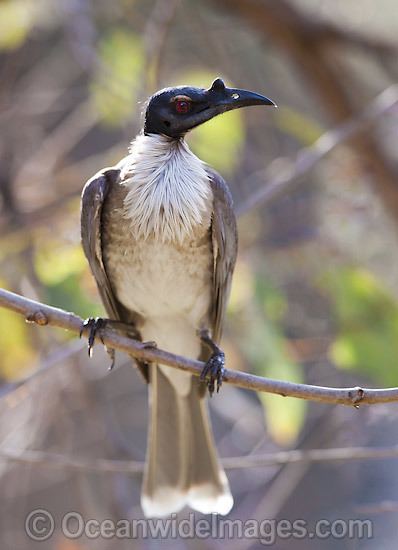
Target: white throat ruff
(168, 189)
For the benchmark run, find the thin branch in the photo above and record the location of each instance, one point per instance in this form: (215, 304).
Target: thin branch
(308, 157)
(53, 460)
(155, 34)
(290, 30)
(311, 455)
(41, 314)
(58, 143)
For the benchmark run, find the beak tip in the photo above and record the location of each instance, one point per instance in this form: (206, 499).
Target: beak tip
(271, 103)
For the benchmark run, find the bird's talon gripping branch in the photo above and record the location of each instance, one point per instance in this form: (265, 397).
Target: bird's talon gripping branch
(97, 324)
(149, 345)
(213, 372)
(94, 326)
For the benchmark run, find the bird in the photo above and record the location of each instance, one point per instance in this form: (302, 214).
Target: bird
(159, 233)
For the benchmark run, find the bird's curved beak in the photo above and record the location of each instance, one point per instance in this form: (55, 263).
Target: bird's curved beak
(226, 99)
(219, 99)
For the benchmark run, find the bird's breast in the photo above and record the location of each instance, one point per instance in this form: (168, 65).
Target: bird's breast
(160, 280)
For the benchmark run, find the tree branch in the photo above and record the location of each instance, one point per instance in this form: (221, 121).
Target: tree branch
(42, 314)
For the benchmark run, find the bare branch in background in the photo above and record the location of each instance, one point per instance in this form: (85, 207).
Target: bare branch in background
(155, 34)
(42, 315)
(308, 157)
(53, 460)
(58, 143)
(294, 33)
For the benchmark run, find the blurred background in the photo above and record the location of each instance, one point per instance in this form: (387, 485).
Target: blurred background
(315, 294)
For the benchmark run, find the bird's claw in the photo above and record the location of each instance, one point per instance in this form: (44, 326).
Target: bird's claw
(213, 372)
(111, 353)
(94, 326)
(149, 344)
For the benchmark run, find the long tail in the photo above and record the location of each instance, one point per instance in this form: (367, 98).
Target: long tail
(182, 467)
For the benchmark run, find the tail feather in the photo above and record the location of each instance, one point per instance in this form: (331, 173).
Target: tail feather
(182, 468)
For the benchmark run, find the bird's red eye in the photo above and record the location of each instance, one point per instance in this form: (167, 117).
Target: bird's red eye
(182, 106)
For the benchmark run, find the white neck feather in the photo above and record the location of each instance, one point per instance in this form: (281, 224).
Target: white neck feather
(168, 189)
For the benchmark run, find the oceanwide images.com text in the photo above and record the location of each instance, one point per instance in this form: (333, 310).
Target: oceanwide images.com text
(40, 525)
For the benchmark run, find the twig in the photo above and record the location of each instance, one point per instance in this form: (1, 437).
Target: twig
(155, 35)
(308, 157)
(53, 460)
(297, 35)
(41, 314)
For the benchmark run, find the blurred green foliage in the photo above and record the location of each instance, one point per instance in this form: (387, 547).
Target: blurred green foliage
(55, 260)
(258, 308)
(70, 294)
(15, 338)
(366, 317)
(119, 76)
(219, 142)
(61, 266)
(16, 20)
(304, 129)
(285, 416)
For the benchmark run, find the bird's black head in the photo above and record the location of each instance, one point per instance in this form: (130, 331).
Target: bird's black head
(175, 111)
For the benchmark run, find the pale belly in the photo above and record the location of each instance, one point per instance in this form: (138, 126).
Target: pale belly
(168, 285)
(162, 280)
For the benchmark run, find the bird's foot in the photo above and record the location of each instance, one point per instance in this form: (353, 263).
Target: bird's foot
(112, 356)
(213, 371)
(94, 325)
(150, 344)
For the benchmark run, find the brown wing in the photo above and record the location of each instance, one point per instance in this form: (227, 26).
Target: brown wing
(225, 246)
(93, 197)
